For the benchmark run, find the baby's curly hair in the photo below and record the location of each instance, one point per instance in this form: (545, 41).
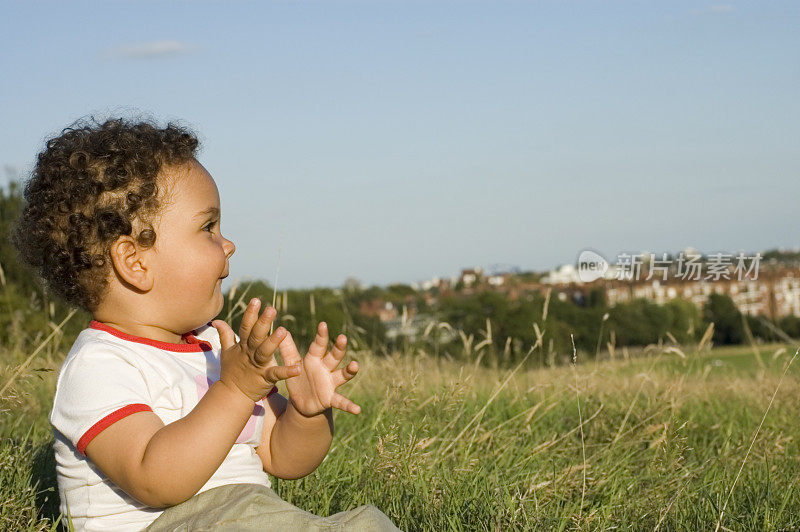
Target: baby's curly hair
(92, 184)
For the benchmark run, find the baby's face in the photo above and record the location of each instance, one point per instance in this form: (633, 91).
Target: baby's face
(190, 256)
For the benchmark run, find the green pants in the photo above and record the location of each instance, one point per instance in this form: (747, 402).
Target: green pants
(251, 507)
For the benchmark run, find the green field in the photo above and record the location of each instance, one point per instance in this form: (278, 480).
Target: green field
(446, 445)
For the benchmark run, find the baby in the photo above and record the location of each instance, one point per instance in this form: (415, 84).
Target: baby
(163, 418)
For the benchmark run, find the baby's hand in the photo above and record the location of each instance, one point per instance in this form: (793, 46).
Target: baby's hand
(250, 364)
(314, 390)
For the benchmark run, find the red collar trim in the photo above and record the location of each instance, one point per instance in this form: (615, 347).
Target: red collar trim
(193, 345)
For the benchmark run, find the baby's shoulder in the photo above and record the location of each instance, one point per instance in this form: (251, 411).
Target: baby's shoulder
(94, 351)
(96, 368)
(93, 344)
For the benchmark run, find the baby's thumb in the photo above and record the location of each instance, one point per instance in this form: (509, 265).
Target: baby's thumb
(288, 350)
(226, 337)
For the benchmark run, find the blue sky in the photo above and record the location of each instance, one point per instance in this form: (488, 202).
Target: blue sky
(394, 141)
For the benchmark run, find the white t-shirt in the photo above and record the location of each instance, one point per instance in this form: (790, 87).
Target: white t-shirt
(108, 375)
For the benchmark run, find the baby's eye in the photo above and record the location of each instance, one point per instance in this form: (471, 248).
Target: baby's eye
(209, 226)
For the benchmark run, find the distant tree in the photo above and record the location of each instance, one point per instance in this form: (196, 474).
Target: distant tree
(721, 310)
(352, 284)
(582, 322)
(399, 290)
(304, 309)
(27, 309)
(530, 277)
(597, 297)
(470, 313)
(791, 326)
(639, 322)
(11, 205)
(760, 328)
(781, 255)
(684, 320)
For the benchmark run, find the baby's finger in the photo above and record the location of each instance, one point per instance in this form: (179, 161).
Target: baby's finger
(343, 403)
(226, 338)
(261, 328)
(266, 350)
(345, 374)
(249, 318)
(320, 345)
(279, 373)
(288, 350)
(336, 354)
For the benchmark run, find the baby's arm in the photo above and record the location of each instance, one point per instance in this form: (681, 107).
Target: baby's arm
(301, 441)
(163, 465)
(298, 432)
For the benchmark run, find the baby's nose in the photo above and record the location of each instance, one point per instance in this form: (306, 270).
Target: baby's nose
(231, 248)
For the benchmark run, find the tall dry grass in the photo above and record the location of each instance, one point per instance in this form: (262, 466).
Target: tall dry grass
(678, 438)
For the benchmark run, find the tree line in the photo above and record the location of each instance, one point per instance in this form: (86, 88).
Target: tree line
(28, 313)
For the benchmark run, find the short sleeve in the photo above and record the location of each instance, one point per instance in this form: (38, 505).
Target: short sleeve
(97, 387)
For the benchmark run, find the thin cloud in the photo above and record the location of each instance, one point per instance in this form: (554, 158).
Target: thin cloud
(713, 10)
(150, 50)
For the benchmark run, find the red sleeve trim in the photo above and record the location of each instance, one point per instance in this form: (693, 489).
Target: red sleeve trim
(273, 390)
(107, 421)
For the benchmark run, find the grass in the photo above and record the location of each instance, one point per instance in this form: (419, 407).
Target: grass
(657, 442)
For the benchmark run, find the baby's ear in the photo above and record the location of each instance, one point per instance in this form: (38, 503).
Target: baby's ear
(130, 263)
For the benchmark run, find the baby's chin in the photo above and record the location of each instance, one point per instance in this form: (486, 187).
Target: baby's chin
(203, 321)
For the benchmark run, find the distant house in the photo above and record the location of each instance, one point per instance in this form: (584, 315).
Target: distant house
(496, 280)
(774, 292)
(566, 274)
(470, 276)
